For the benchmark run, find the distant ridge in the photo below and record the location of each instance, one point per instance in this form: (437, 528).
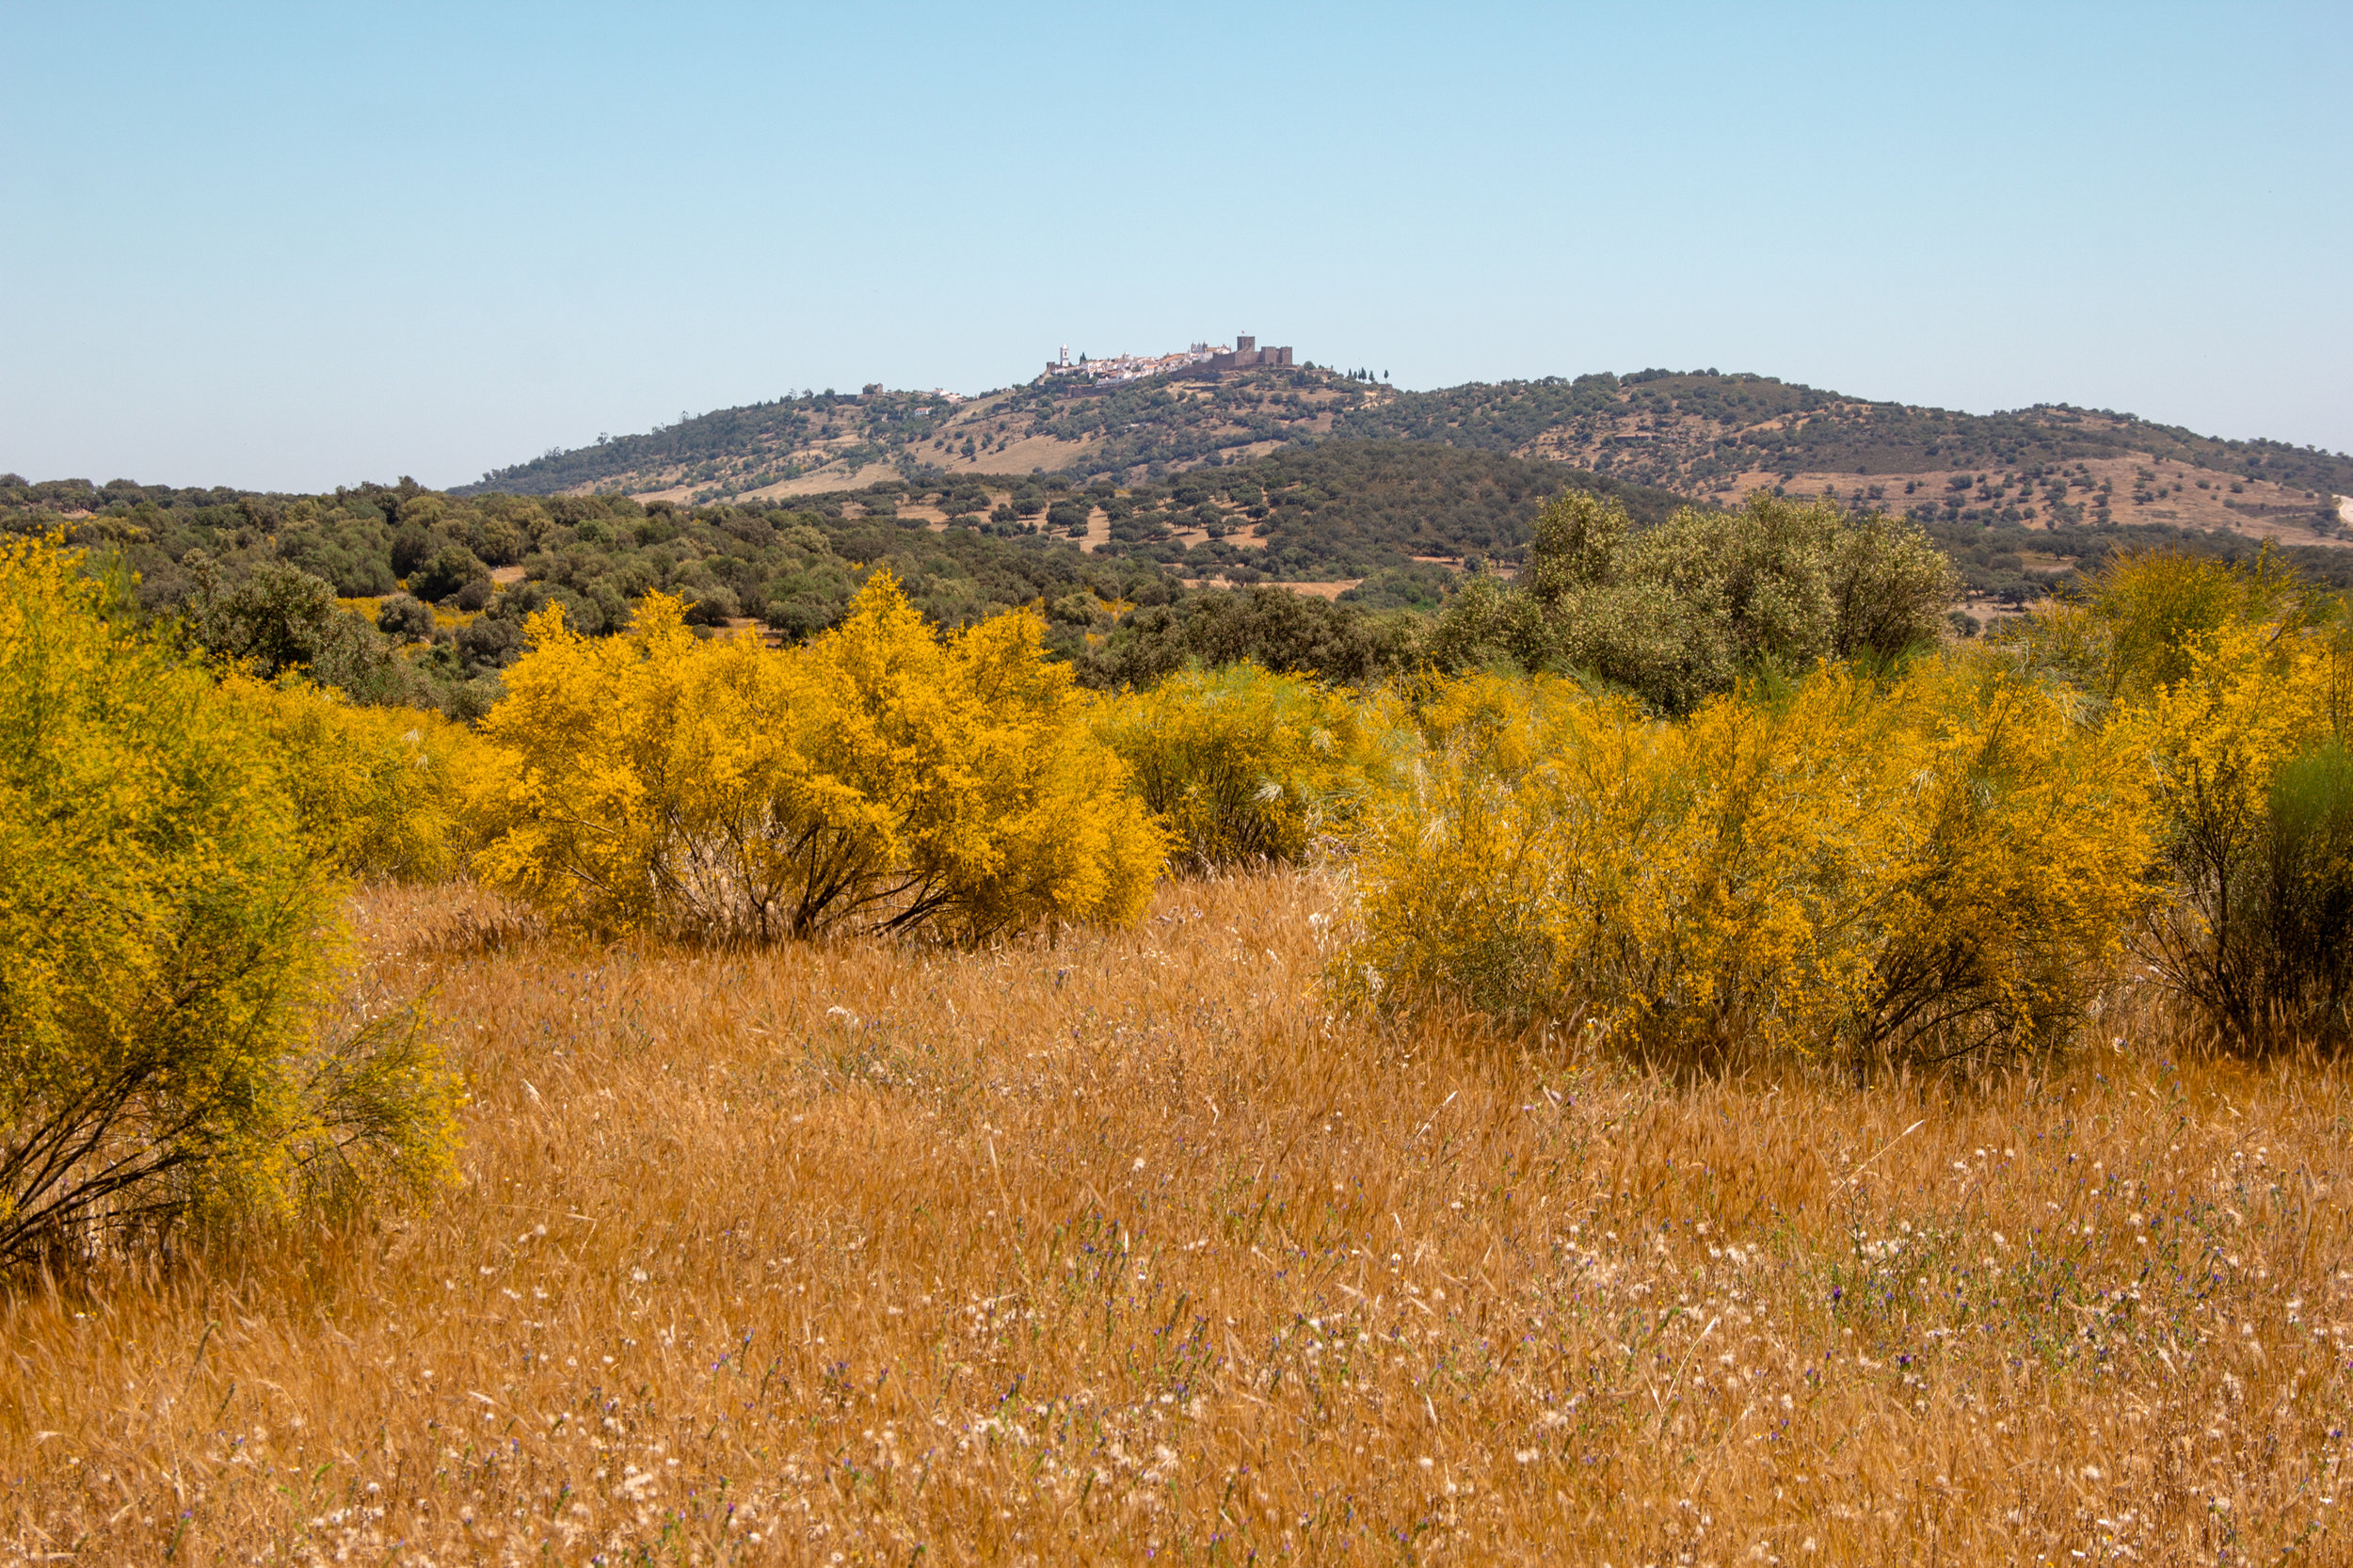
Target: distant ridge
(1702, 434)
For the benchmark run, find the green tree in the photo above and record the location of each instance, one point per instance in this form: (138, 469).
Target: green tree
(404, 619)
(1274, 628)
(278, 618)
(452, 568)
(1676, 613)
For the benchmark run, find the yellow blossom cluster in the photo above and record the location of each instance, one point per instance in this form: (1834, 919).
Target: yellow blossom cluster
(1245, 765)
(170, 937)
(379, 791)
(878, 777)
(1931, 865)
(1945, 859)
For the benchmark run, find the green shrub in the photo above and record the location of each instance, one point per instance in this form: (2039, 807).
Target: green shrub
(1684, 610)
(277, 618)
(405, 618)
(1274, 628)
(2258, 938)
(2230, 685)
(452, 568)
(2306, 893)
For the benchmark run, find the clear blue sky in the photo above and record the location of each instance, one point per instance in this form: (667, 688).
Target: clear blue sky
(295, 245)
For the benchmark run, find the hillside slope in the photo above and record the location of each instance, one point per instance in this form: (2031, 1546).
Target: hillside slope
(1702, 434)
(830, 442)
(1708, 434)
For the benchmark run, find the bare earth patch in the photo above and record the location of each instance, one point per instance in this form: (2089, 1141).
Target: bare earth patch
(833, 476)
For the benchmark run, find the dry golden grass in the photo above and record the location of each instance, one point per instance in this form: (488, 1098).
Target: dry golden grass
(1121, 1250)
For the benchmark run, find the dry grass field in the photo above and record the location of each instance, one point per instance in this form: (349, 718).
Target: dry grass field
(1122, 1249)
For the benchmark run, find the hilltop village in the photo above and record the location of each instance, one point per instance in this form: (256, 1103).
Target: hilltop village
(1200, 359)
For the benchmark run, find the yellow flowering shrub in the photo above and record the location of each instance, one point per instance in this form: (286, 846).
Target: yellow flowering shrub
(2242, 734)
(1245, 765)
(2137, 627)
(1940, 866)
(378, 791)
(168, 947)
(877, 777)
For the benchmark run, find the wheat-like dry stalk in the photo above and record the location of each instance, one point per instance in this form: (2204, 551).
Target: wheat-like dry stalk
(1122, 1249)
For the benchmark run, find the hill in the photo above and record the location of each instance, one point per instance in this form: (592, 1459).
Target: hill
(1378, 525)
(1703, 435)
(1706, 434)
(1076, 498)
(1384, 526)
(829, 440)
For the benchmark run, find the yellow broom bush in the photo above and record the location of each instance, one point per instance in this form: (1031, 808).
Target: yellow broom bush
(1939, 866)
(2140, 622)
(2228, 685)
(878, 777)
(1245, 765)
(169, 948)
(378, 792)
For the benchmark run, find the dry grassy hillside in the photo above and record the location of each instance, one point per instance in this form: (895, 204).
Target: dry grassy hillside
(811, 445)
(2134, 487)
(1707, 434)
(1701, 435)
(1123, 1250)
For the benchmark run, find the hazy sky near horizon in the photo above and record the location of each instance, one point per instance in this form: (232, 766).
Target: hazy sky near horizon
(292, 247)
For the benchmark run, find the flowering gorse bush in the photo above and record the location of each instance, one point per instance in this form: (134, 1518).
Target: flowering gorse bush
(1934, 866)
(1943, 860)
(378, 792)
(170, 943)
(2229, 684)
(1245, 765)
(878, 777)
(2141, 624)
